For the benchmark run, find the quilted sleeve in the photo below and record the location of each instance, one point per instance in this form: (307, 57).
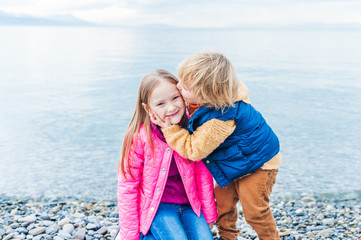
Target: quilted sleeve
(205, 186)
(128, 194)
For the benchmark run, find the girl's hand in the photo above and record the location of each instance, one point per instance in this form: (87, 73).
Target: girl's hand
(160, 122)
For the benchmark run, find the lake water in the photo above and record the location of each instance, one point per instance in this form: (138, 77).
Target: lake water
(67, 95)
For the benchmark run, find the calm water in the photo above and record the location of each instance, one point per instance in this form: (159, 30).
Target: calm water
(67, 95)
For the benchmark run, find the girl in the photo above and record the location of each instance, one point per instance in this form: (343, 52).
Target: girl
(237, 145)
(161, 195)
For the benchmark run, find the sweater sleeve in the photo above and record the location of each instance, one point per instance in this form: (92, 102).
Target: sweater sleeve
(201, 142)
(128, 193)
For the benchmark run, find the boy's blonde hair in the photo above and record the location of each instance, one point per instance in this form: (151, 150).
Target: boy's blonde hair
(212, 78)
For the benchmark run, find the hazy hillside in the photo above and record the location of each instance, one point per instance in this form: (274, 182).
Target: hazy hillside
(59, 20)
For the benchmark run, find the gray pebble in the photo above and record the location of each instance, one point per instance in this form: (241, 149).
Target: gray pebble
(102, 230)
(14, 225)
(328, 222)
(69, 228)
(9, 236)
(58, 238)
(63, 234)
(31, 226)
(91, 226)
(37, 231)
(80, 234)
(27, 219)
(52, 229)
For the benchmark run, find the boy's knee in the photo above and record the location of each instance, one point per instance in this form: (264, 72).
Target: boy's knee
(259, 215)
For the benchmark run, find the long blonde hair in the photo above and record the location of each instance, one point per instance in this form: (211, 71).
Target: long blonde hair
(212, 78)
(140, 116)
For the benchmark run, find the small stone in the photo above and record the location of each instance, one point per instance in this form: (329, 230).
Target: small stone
(328, 222)
(37, 231)
(25, 224)
(30, 219)
(14, 225)
(39, 237)
(90, 206)
(308, 199)
(102, 231)
(64, 235)
(21, 236)
(80, 234)
(9, 236)
(311, 235)
(46, 236)
(64, 221)
(91, 226)
(7, 228)
(48, 223)
(329, 208)
(302, 225)
(52, 229)
(68, 228)
(107, 223)
(325, 233)
(31, 226)
(113, 232)
(58, 238)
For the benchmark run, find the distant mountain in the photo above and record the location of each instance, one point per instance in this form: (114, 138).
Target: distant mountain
(301, 27)
(58, 20)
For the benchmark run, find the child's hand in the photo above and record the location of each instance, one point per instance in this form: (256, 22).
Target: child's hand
(160, 122)
(211, 225)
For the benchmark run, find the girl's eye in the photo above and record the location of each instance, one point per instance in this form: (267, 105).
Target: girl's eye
(159, 104)
(176, 97)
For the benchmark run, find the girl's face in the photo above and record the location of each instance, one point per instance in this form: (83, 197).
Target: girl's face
(187, 95)
(166, 101)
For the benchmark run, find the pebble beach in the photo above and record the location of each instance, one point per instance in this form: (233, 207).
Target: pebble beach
(60, 219)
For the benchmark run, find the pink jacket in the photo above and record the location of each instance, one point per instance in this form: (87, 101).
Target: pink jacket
(139, 198)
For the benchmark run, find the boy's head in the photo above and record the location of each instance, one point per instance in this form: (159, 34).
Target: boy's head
(211, 78)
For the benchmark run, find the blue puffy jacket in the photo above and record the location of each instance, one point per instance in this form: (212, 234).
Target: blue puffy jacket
(250, 145)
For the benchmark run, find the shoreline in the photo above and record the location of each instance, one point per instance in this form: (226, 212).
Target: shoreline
(70, 218)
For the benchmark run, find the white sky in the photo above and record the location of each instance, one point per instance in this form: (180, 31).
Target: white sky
(194, 13)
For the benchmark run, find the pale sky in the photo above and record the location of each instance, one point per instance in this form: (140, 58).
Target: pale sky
(194, 13)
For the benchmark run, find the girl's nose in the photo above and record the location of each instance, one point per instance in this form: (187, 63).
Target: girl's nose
(171, 108)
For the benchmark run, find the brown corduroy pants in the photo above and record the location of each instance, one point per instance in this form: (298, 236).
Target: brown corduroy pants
(253, 192)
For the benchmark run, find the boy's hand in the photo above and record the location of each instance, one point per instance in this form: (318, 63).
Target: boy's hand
(160, 122)
(211, 225)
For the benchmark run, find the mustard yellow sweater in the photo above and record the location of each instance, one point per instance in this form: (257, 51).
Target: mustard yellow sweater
(206, 138)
